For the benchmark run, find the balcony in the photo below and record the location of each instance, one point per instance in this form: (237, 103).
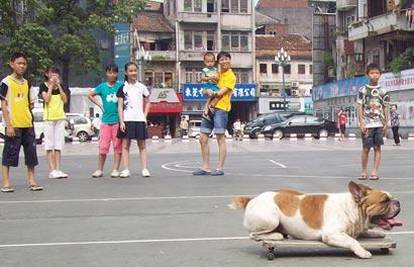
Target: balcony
(344, 5)
(197, 17)
(186, 55)
(236, 21)
(378, 25)
(157, 55)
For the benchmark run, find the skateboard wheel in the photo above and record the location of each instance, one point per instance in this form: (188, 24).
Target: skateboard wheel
(271, 256)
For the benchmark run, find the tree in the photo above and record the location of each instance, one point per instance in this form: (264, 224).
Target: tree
(60, 31)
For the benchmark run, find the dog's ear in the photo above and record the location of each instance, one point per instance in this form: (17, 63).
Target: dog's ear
(358, 191)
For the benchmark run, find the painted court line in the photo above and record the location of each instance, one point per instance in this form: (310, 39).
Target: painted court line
(278, 163)
(147, 241)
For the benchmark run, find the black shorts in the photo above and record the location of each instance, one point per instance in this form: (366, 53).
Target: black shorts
(374, 137)
(134, 130)
(343, 128)
(24, 137)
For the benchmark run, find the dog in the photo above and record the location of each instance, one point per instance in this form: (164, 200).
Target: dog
(336, 219)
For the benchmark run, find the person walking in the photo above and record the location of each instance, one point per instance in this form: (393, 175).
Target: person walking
(184, 126)
(342, 120)
(395, 125)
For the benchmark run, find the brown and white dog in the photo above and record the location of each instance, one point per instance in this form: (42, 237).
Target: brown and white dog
(336, 219)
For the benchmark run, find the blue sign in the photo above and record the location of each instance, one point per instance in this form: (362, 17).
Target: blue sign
(242, 92)
(122, 47)
(347, 87)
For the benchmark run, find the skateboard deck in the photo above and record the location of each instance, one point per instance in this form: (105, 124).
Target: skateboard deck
(384, 244)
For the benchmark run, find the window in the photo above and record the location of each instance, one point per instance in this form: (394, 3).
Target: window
(235, 41)
(198, 40)
(286, 69)
(225, 42)
(263, 68)
(275, 68)
(242, 75)
(192, 5)
(188, 5)
(188, 75)
(225, 6)
(149, 78)
(158, 79)
(80, 120)
(192, 75)
(243, 6)
(210, 41)
(234, 6)
(197, 5)
(211, 6)
(301, 69)
(168, 79)
(298, 120)
(310, 69)
(188, 40)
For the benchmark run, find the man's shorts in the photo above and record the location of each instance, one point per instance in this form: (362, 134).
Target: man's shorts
(374, 137)
(218, 123)
(108, 134)
(54, 132)
(24, 137)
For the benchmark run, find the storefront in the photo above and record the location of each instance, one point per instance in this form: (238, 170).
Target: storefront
(331, 97)
(243, 102)
(164, 115)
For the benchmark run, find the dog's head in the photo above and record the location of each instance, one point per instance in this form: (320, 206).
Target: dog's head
(378, 206)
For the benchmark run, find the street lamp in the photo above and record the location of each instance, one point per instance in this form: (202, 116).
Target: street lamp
(283, 59)
(142, 56)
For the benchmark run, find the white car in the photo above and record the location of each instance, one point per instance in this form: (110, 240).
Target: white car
(194, 128)
(38, 125)
(81, 126)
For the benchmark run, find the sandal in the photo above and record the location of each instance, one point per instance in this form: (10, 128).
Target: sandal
(7, 189)
(35, 187)
(363, 177)
(374, 177)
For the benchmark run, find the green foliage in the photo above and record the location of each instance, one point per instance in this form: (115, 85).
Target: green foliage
(403, 61)
(59, 31)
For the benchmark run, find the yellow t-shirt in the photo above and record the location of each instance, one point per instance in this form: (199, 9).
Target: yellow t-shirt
(227, 79)
(18, 97)
(54, 109)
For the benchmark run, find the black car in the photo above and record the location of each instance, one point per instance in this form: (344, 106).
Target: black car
(254, 127)
(301, 125)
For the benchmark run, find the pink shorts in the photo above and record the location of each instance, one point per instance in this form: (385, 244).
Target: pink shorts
(107, 134)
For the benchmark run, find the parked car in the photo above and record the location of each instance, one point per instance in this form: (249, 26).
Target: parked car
(38, 125)
(301, 125)
(194, 128)
(81, 126)
(254, 127)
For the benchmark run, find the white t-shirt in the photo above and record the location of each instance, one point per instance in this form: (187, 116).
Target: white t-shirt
(237, 125)
(133, 96)
(96, 123)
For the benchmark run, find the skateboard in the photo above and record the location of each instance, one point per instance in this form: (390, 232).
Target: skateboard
(383, 244)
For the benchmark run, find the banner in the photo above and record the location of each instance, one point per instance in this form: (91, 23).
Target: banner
(242, 92)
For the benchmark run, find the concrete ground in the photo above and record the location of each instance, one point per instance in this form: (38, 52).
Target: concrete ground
(176, 219)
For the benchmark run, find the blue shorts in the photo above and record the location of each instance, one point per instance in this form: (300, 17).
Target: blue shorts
(24, 137)
(219, 123)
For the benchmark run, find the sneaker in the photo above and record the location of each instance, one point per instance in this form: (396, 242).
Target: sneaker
(115, 174)
(61, 174)
(54, 175)
(97, 174)
(146, 173)
(125, 174)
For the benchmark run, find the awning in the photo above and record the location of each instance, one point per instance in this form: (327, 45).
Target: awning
(165, 101)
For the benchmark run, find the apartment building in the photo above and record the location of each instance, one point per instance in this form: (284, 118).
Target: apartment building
(214, 25)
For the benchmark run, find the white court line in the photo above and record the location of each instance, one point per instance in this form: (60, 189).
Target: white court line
(147, 241)
(166, 166)
(150, 198)
(278, 163)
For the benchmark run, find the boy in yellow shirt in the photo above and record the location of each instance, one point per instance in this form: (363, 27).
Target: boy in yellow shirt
(16, 104)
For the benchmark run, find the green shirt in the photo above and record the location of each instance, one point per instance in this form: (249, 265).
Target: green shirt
(109, 101)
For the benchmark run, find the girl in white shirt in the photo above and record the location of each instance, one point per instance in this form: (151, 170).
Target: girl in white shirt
(133, 108)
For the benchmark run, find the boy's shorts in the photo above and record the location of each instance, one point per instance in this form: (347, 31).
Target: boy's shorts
(24, 137)
(218, 122)
(54, 132)
(107, 134)
(374, 137)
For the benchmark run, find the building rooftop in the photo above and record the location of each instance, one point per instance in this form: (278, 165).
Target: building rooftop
(296, 45)
(150, 21)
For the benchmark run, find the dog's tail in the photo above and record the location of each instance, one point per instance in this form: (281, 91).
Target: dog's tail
(239, 202)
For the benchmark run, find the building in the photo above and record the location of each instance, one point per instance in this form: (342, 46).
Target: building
(214, 25)
(323, 40)
(297, 14)
(298, 74)
(383, 29)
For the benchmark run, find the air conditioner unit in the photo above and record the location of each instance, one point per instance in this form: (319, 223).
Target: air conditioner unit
(295, 84)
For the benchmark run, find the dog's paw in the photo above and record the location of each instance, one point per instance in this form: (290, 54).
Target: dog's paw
(363, 254)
